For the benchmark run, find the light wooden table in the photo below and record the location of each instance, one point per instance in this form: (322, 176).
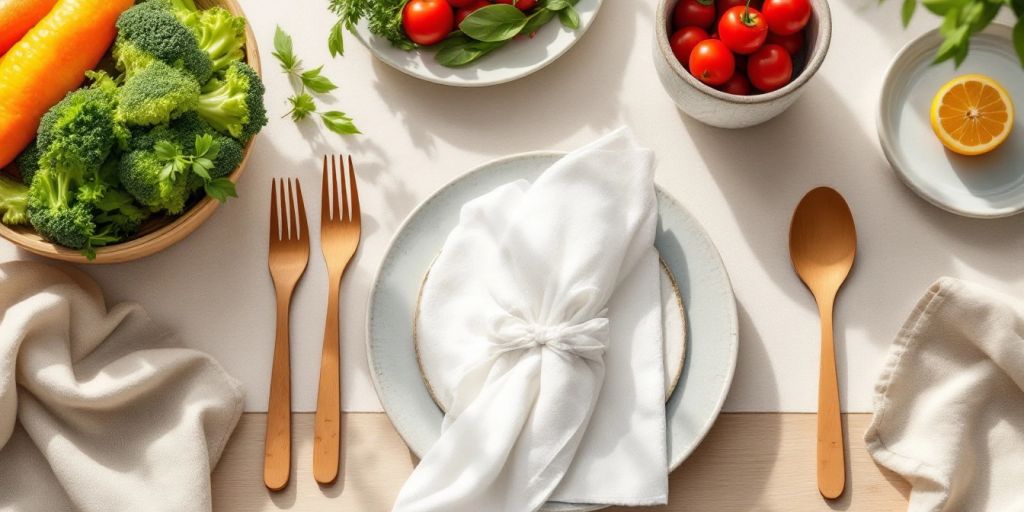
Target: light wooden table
(749, 462)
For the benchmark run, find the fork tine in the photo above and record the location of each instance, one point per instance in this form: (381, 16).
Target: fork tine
(275, 233)
(325, 203)
(355, 216)
(303, 225)
(344, 191)
(283, 208)
(293, 217)
(335, 210)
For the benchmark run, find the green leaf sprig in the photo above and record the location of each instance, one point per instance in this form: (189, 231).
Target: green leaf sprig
(491, 27)
(961, 19)
(304, 81)
(199, 163)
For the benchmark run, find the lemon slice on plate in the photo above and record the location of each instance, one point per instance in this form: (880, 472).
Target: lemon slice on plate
(972, 114)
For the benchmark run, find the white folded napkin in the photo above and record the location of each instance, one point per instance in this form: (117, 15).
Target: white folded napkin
(524, 283)
(949, 406)
(101, 410)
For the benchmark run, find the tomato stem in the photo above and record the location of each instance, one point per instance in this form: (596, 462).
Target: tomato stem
(747, 19)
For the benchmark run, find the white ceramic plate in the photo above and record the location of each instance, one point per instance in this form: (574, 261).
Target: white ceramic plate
(515, 60)
(711, 320)
(984, 186)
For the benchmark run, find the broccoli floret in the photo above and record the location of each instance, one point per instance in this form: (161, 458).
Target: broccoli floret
(150, 31)
(219, 33)
(234, 105)
(28, 162)
(142, 175)
(13, 202)
(156, 94)
(190, 125)
(79, 131)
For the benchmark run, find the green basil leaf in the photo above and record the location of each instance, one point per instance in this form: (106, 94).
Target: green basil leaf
(494, 23)
(569, 18)
(537, 20)
(302, 106)
(558, 5)
(952, 44)
(950, 23)
(907, 12)
(339, 123)
(1018, 39)
(283, 50)
(336, 39)
(316, 82)
(941, 7)
(220, 189)
(460, 50)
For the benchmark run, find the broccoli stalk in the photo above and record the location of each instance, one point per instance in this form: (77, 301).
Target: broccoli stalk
(13, 202)
(220, 34)
(234, 105)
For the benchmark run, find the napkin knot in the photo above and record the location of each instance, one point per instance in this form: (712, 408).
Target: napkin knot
(585, 339)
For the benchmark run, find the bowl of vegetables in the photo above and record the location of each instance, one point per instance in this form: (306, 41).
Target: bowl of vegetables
(465, 43)
(129, 124)
(738, 63)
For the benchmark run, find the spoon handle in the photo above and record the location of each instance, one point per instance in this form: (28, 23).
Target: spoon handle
(831, 458)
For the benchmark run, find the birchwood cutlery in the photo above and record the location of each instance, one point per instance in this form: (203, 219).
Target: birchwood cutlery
(822, 245)
(288, 257)
(339, 238)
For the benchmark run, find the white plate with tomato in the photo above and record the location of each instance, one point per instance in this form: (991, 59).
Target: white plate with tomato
(471, 43)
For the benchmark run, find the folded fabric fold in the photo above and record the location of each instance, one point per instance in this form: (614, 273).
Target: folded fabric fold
(100, 409)
(949, 405)
(524, 286)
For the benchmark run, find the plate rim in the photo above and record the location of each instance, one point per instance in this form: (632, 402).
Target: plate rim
(923, 43)
(522, 73)
(701, 431)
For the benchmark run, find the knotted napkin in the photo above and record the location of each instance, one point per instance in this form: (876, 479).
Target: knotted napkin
(524, 284)
(949, 406)
(100, 409)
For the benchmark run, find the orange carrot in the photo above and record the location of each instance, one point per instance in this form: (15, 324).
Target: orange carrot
(50, 61)
(17, 17)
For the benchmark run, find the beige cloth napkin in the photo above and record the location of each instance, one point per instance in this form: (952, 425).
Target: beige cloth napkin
(949, 407)
(100, 409)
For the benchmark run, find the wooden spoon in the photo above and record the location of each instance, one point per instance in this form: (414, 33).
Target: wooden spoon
(822, 245)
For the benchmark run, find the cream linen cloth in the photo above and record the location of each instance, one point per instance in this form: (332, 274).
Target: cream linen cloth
(101, 410)
(525, 281)
(949, 407)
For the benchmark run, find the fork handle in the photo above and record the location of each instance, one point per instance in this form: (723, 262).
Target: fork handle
(327, 427)
(278, 448)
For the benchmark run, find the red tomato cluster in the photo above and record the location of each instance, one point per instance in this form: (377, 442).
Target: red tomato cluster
(740, 47)
(428, 22)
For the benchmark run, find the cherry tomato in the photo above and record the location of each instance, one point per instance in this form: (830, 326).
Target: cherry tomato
(458, 4)
(464, 12)
(743, 29)
(523, 5)
(683, 41)
(738, 85)
(724, 5)
(787, 17)
(793, 43)
(770, 68)
(712, 62)
(694, 13)
(428, 22)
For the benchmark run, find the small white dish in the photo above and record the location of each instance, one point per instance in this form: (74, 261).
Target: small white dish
(710, 307)
(983, 186)
(519, 58)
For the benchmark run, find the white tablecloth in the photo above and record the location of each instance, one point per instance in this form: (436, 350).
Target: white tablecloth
(214, 290)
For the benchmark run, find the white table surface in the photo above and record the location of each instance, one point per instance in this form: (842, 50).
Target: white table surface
(214, 290)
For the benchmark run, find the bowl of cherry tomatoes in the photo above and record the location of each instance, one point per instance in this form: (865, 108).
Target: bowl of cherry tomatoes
(738, 63)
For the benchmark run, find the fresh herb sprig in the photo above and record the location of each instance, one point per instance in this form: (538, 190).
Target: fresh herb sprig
(491, 27)
(304, 103)
(961, 19)
(199, 163)
(384, 18)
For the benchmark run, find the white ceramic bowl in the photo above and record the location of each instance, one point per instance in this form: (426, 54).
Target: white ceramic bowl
(517, 59)
(716, 108)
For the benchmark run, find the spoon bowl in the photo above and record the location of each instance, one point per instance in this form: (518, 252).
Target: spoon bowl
(822, 245)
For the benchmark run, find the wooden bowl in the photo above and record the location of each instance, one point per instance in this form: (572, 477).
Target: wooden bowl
(157, 233)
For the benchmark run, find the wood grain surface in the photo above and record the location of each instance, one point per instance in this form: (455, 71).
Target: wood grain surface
(749, 462)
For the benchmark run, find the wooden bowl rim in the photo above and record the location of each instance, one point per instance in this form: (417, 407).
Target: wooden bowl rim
(167, 235)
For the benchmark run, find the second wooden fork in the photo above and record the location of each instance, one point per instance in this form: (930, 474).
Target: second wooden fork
(339, 238)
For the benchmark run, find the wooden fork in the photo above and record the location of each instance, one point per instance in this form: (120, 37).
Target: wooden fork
(289, 254)
(339, 237)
